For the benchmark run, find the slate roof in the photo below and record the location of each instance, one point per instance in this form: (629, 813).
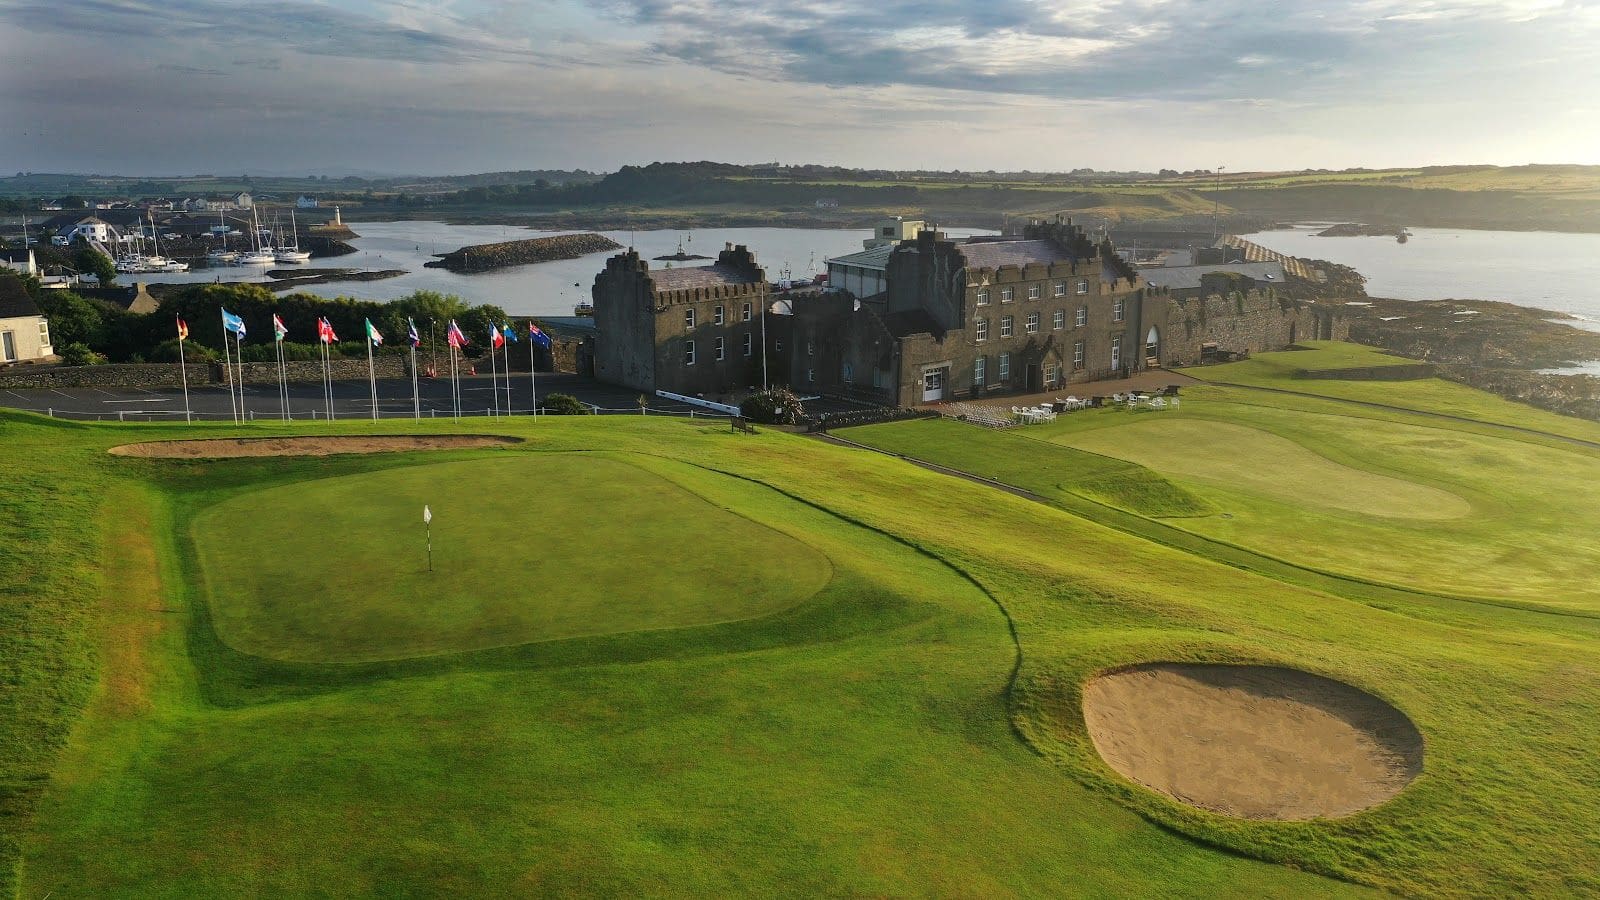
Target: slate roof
(691, 277)
(1188, 277)
(994, 254)
(875, 258)
(14, 299)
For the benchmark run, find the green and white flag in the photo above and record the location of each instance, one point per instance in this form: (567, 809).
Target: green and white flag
(373, 335)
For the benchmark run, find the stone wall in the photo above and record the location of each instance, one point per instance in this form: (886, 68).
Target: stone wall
(310, 370)
(1253, 320)
(131, 375)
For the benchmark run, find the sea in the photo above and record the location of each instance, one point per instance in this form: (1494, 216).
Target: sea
(547, 288)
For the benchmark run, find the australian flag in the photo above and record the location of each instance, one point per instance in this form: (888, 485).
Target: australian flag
(538, 336)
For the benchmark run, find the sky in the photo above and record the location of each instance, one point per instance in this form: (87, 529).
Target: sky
(168, 87)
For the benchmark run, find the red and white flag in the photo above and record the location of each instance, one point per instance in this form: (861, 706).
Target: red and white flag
(454, 337)
(325, 331)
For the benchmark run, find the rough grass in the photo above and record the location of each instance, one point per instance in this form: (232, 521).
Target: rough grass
(519, 542)
(863, 742)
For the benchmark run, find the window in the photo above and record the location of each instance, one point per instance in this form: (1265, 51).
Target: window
(688, 317)
(777, 344)
(688, 353)
(1031, 324)
(746, 314)
(44, 333)
(1077, 357)
(1005, 367)
(1061, 289)
(1005, 326)
(983, 297)
(1083, 285)
(1052, 374)
(8, 346)
(1118, 309)
(980, 329)
(1033, 292)
(1082, 318)
(979, 365)
(1008, 294)
(1058, 319)
(811, 348)
(849, 374)
(749, 345)
(1116, 353)
(811, 375)
(719, 346)
(716, 315)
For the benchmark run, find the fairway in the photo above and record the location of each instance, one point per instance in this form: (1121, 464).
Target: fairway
(1249, 459)
(527, 548)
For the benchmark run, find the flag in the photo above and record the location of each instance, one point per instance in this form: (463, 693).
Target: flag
(373, 335)
(183, 330)
(496, 339)
(411, 333)
(427, 515)
(511, 333)
(325, 331)
(233, 323)
(278, 328)
(537, 335)
(454, 337)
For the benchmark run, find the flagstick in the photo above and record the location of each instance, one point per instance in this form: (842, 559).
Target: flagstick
(372, 379)
(429, 525)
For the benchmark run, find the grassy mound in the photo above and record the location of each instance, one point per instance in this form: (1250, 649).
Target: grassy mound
(525, 549)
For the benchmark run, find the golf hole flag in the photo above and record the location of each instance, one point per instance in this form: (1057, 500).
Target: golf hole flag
(427, 515)
(373, 335)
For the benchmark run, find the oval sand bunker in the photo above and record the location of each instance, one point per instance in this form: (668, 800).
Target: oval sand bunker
(226, 448)
(1252, 741)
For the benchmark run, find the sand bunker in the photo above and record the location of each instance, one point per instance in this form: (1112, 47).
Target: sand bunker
(1252, 741)
(224, 448)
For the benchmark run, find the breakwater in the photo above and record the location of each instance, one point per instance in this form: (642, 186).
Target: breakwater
(488, 257)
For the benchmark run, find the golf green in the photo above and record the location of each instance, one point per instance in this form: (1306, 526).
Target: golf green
(530, 548)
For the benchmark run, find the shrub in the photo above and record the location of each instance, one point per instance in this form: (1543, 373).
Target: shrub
(778, 406)
(564, 405)
(76, 354)
(167, 352)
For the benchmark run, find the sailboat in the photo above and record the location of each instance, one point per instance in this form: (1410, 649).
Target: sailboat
(222, 256)
(291, 253)
(260, 256)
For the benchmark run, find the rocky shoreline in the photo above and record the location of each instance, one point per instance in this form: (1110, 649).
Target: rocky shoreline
(1354, 230)
(489, 257)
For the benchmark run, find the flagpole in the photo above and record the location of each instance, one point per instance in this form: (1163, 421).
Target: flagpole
(283, 375)
(416, 399)
(227, 366)
(327, 379)
(455, 384)
(372, 377)
(238, 357)
(533, 377)
(508, 377)
(494, 381)
(183, 372)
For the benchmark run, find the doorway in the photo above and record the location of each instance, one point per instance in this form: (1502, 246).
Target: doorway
(933, 385)
(1152, 347)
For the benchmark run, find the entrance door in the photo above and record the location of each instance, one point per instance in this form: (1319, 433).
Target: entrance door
(1116, 353)
(933, 385)
(1152, 347)
(1035, 378)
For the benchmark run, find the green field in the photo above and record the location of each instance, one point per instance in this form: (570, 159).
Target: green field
(235, 677)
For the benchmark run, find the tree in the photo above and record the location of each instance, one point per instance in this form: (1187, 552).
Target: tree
(778, 406)
(93, 262)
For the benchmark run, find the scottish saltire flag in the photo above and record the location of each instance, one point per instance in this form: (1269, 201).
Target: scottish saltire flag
(411, 334)
(183, 330)
(538, 336)
(454, 337)
(373, 335)
(325, 331)
(278, 328)
(496, 339)
(511, 333)
(233, 323)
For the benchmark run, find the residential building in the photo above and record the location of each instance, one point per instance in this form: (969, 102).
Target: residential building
(304, 202)
(20, 261)
(24, 331)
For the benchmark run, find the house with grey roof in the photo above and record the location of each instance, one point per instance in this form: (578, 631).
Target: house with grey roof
(24, 331)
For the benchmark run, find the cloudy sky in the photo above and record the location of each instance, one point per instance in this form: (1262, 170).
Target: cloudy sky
(449, 86)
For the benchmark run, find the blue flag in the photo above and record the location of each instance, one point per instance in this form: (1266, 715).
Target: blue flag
(233, 323)
(511, 333)
(537, 335)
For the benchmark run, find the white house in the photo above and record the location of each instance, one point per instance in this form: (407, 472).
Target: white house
(24, 331)
(20, 261)
(243, 200)
(305, 202)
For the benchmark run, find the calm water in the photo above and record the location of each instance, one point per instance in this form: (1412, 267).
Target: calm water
(549, 288)
(1550, 270)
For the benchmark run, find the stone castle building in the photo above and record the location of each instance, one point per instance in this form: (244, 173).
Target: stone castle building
(927, 318)
(695, 330)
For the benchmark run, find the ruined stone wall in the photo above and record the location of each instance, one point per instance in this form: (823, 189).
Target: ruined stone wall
(842, 348)
(624, 314)
(1242, 321)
